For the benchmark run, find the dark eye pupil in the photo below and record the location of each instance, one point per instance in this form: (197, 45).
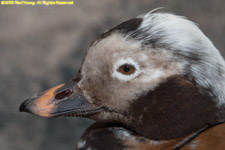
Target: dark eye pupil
(126, 68)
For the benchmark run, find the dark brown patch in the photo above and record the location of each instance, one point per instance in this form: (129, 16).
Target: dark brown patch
(99, 137)
(174, 109)
(125, 27)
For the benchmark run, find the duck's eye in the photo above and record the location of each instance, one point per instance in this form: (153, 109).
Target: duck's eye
(126, 69)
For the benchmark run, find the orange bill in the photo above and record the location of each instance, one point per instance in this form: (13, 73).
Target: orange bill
(65, 99)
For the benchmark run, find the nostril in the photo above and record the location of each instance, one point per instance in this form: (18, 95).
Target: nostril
(63, 94)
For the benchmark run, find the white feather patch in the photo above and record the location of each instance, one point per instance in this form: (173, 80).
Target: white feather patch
(122, 77)
(81, 144)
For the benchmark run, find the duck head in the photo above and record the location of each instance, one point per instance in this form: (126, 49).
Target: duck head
(156, 74)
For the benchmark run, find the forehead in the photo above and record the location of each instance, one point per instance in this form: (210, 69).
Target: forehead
(116, 39)
(110, 48)
(115, 43)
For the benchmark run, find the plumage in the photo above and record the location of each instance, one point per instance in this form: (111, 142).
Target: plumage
(115, 137)
(152, 82)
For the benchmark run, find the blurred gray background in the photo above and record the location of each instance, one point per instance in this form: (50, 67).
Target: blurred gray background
(42, 46)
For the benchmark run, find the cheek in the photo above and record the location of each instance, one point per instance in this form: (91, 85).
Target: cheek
(107, 92)
(97, 90)
(118, 95)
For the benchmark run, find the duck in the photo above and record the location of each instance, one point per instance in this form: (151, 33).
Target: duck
(153, 82)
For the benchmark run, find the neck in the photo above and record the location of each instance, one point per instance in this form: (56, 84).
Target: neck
(203, 139)
(174, 109)
(118, 137)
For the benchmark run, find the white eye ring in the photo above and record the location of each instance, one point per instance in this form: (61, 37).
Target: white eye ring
(125, 77)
